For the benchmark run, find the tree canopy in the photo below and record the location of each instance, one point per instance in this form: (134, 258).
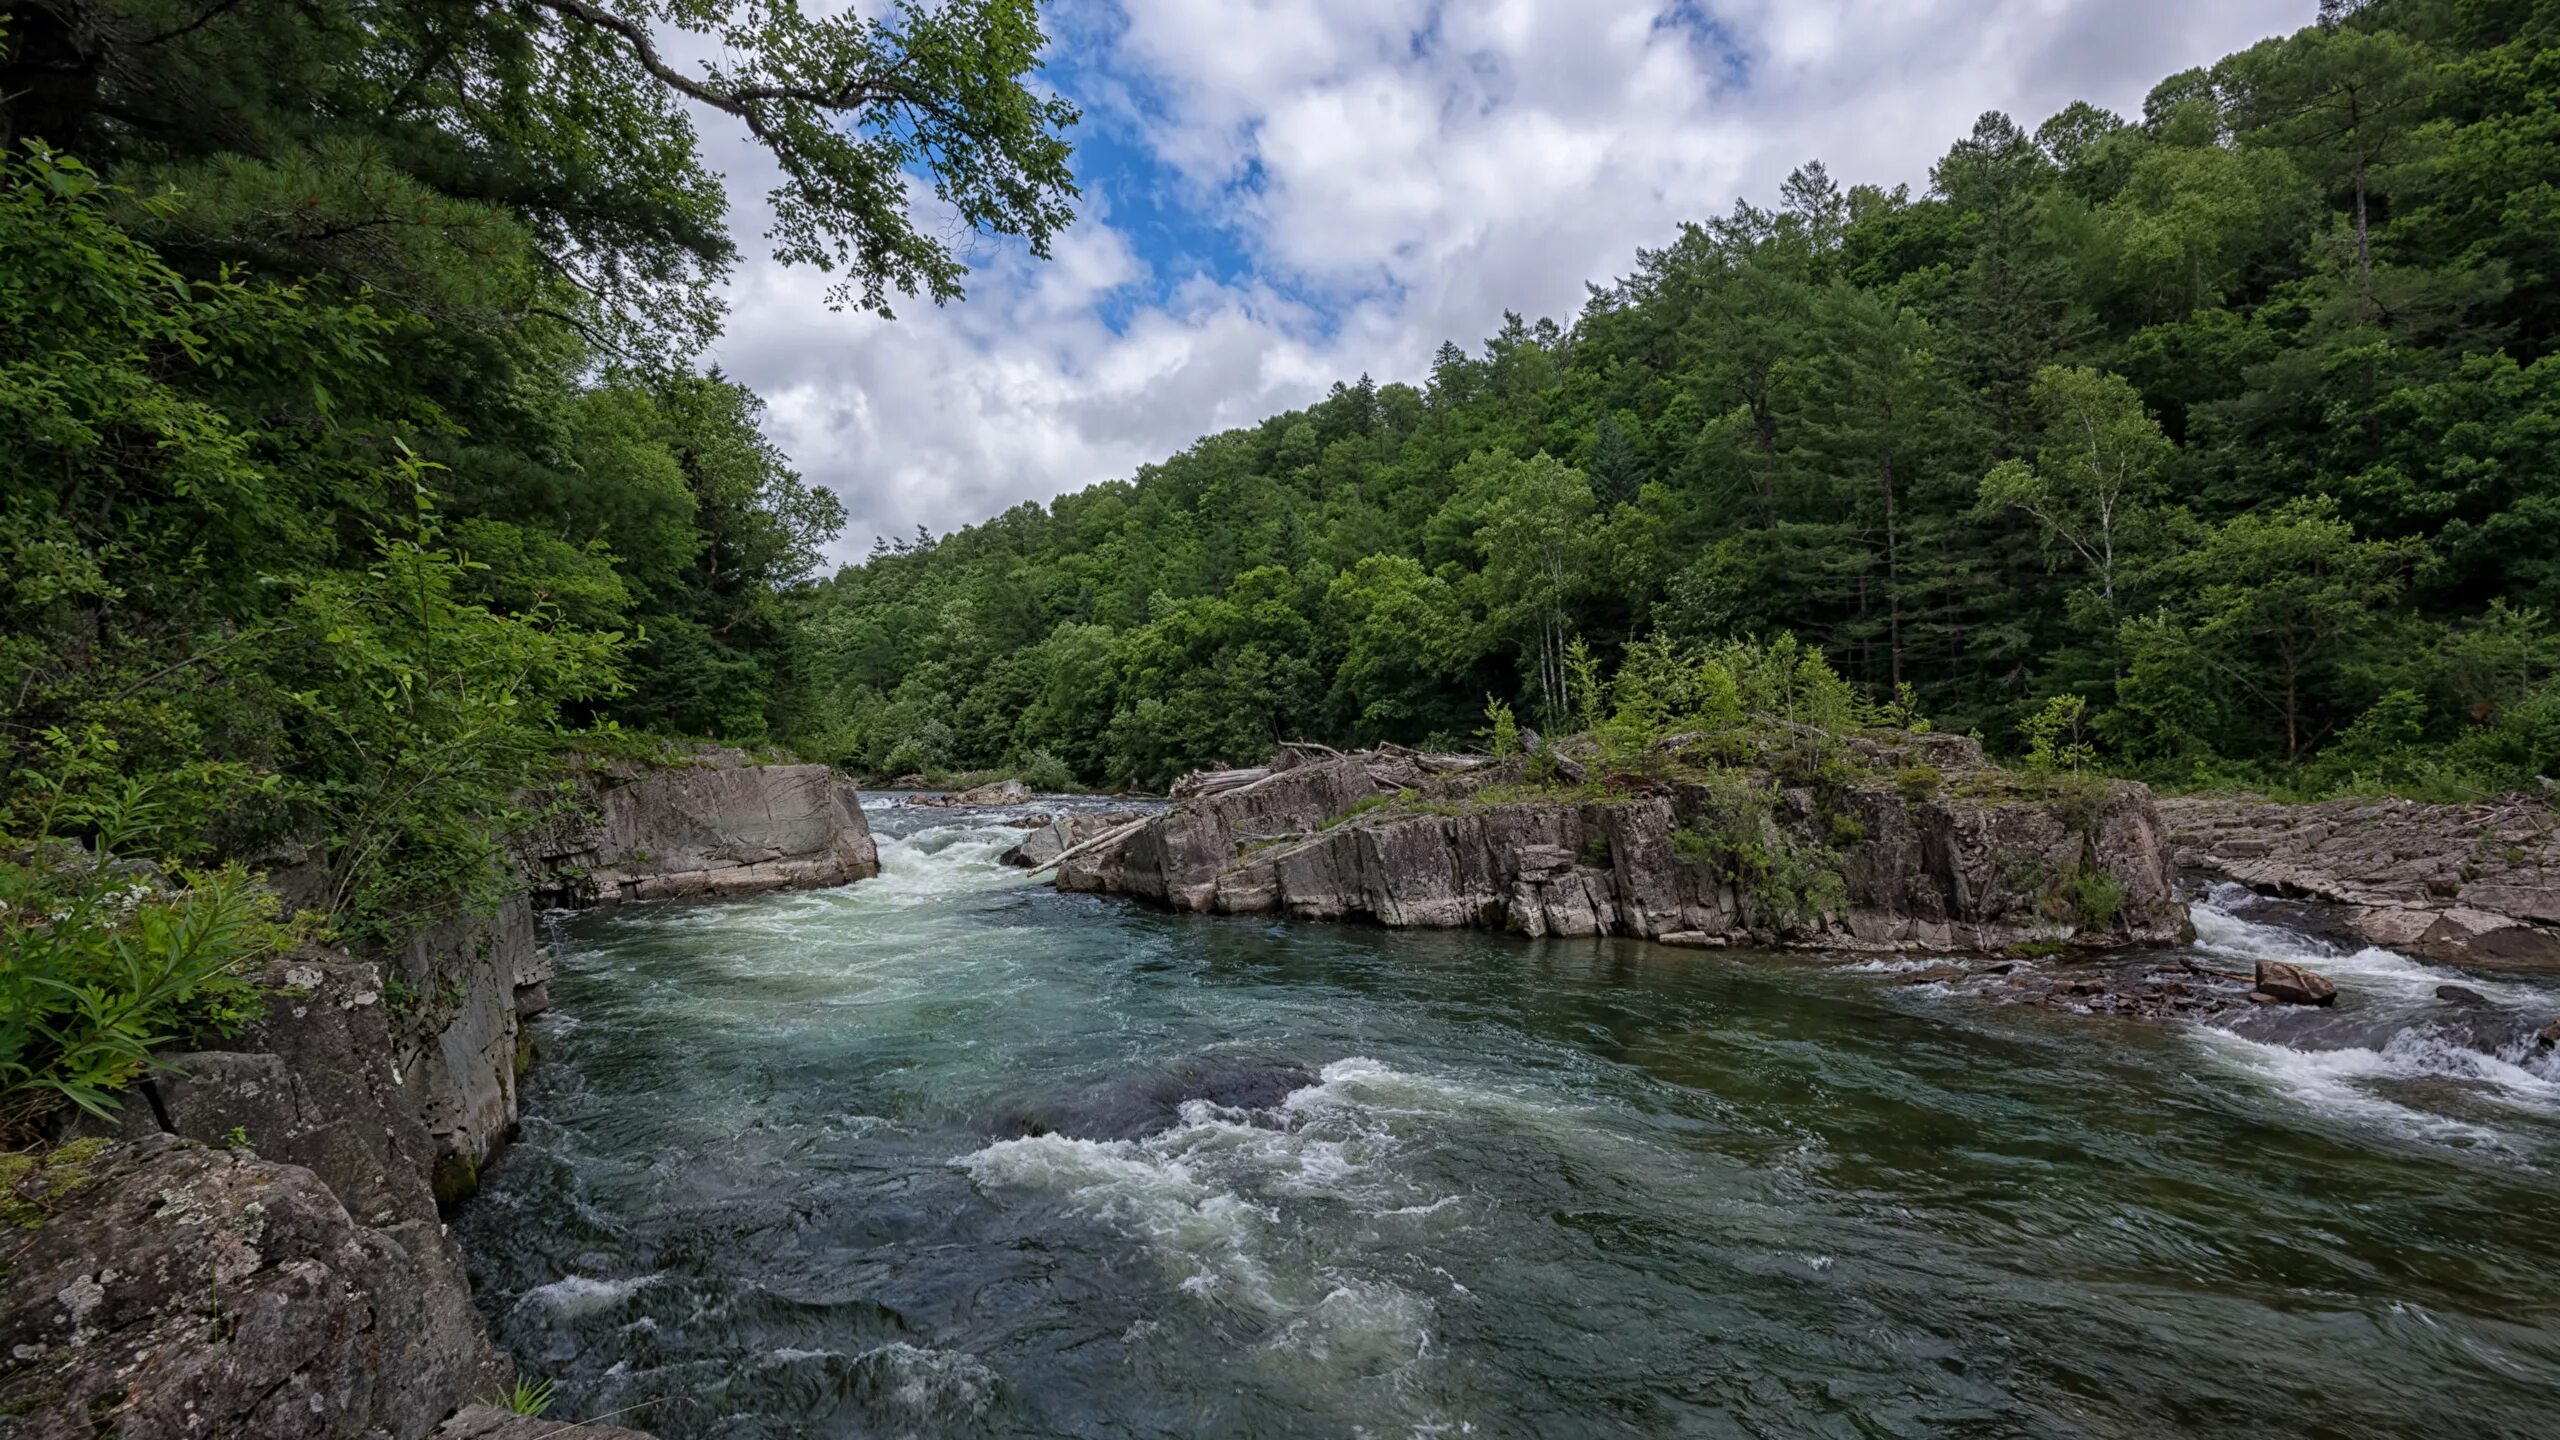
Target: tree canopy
(2232, 420)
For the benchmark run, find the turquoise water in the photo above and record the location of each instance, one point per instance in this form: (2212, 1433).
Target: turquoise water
(866, 1162)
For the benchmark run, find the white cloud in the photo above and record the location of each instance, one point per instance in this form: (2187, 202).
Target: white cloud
(1410, 191)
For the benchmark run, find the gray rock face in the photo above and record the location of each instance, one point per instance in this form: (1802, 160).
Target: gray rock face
(195, 1292)
(1944, 872)
(457, 1032)
(315, 1083)
(712, 829)
(2456, 884)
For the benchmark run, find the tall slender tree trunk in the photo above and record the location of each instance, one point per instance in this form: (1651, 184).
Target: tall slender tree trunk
(2364, 249)
(1892, 578)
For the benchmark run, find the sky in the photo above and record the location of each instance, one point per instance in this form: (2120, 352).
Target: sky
(1279, 194)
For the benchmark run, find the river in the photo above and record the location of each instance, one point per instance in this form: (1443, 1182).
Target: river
(844, 1163)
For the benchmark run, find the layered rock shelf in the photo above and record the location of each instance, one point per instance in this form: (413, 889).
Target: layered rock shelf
(1932, 849)
(299, 1176)
(2471, 885)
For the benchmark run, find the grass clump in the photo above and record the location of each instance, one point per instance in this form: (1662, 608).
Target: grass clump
(33, 1183)
(529, 1398)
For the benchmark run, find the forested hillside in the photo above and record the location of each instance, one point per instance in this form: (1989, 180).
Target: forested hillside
(354, 466)
(2237, 419)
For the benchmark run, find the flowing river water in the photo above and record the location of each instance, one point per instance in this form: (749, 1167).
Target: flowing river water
(880, 1161)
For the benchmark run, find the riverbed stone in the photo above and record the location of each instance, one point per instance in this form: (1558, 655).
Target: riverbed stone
(2294, 985)
(487, 1422)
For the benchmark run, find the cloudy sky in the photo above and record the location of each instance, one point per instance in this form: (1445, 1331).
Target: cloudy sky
(1282, 193)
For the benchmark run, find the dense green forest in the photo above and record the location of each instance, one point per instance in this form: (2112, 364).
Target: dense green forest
(355, 471)
(2238, 420)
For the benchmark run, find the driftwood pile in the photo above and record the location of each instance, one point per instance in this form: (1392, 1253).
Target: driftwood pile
(1391, 767)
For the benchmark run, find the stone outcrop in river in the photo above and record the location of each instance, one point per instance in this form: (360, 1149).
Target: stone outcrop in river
(716, 826)
(261, 1251)
(2457, 884)
(1912, 842)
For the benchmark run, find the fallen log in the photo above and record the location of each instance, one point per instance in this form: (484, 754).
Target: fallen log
(1106, 837)
(1219, 782)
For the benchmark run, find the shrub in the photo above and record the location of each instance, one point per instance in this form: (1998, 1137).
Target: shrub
(2057, 737)
(528, 1398)
(1360, 807)
(1043, 771)
(2098, 898)
(1502, 730)
(1918, 782)
(102, 958)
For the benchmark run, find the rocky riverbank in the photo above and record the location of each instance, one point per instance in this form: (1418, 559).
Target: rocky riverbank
(1904, 842)
(260, 1250)
(2475, 885)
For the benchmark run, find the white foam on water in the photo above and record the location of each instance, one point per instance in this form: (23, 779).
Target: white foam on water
(577, 1295)
(2338, 1083)
(1362, 1325)
(2385, 974)
(1211, 1195)
(2344, 1082)
(936, 1385)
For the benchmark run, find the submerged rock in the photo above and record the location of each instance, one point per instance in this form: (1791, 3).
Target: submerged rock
(1147, 1104)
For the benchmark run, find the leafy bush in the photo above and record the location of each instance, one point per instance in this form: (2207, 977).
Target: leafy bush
(433, 718)
(2098, 897)
(1918, 782)
(1790, 881)
(1044, 772)
(1502, 730)
(2057, 737)
(102, 958)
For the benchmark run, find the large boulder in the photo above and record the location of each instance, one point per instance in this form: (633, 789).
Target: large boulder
(715, 827)
(2293, 985)
(186, 1291)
